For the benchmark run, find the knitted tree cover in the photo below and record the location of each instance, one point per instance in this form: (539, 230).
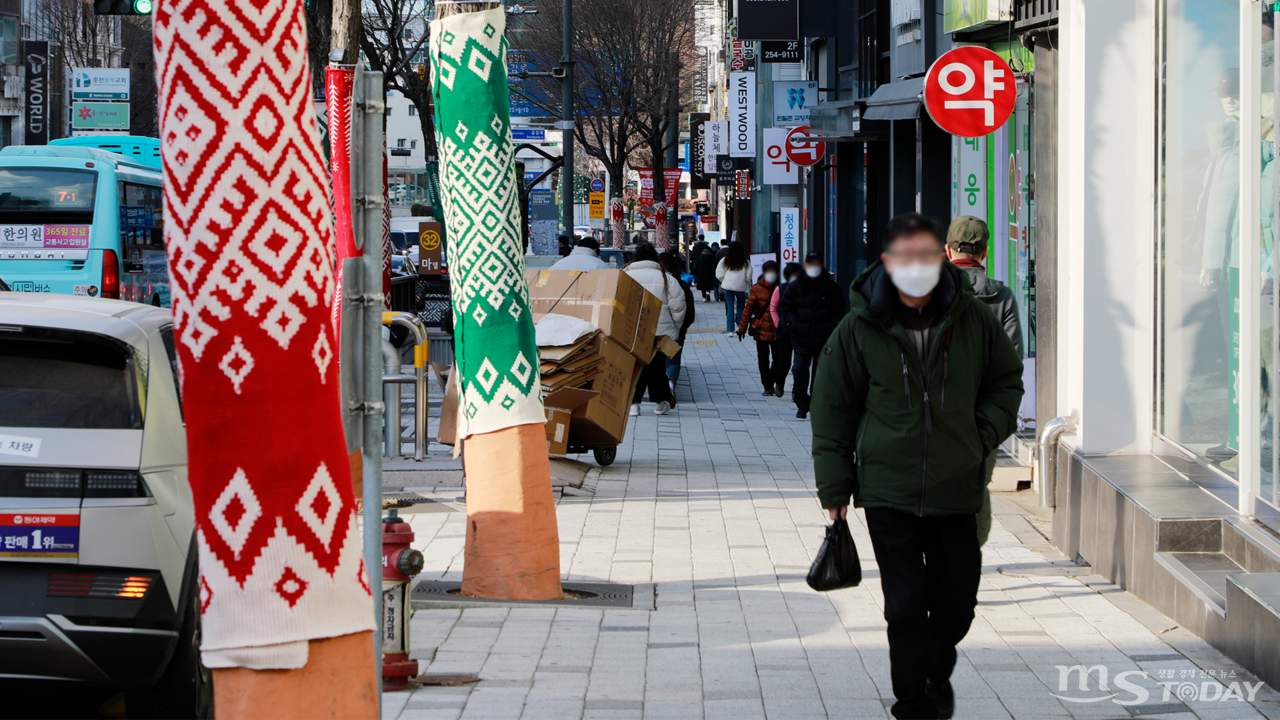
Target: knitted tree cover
(249, 236)
(496, 353)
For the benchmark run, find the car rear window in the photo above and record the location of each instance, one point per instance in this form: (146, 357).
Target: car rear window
(70, 380)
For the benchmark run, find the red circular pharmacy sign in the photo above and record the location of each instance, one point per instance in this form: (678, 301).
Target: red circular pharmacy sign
(803, 153)
(970, 91)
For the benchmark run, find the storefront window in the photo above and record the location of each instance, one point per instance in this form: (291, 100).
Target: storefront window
(1269, 201)
(1199, 257)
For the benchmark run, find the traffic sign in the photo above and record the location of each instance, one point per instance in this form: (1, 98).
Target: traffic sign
(970, 91)
(597, 185)
(801, 152)
(597, 203)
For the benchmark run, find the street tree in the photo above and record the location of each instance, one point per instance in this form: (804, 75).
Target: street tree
(608, 51)
(665, 82)
(138, 55)
(394, 42)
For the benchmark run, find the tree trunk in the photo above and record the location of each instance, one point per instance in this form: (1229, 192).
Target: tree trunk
(512, 545)
(661, 238)
(346, 30)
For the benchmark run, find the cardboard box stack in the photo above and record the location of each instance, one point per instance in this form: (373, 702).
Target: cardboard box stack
(624, 317)
(589, 370)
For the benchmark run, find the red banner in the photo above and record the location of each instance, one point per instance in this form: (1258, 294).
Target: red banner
(339, 82)
(646, 186)
(671, 185)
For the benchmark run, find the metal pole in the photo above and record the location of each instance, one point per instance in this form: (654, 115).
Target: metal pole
(367, 213)
(390, 401)
(673, 160)
(566, 121)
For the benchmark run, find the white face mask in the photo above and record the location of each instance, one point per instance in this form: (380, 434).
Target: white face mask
(917, 280)
(771, 277)
(813, 271)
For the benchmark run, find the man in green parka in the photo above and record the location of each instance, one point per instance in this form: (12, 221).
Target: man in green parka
(916, 386)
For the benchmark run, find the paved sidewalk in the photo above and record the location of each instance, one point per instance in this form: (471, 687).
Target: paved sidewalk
(714, 504)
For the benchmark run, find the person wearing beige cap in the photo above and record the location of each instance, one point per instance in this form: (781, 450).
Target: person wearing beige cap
(967, 249)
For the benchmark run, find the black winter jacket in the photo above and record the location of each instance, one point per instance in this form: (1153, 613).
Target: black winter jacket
(811, 309)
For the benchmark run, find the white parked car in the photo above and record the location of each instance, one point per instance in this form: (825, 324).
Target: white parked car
(98, 579)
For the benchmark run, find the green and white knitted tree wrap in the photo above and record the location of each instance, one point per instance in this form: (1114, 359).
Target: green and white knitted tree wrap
(494, 345)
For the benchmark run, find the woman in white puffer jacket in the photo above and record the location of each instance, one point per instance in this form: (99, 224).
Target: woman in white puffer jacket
(648, 271)
(734, 274)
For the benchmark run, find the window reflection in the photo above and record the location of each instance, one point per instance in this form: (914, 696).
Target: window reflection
(1199, 253)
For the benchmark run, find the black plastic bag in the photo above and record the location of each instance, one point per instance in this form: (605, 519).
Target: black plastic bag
(837, 564)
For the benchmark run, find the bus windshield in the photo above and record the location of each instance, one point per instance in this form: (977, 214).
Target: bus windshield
(46, 190)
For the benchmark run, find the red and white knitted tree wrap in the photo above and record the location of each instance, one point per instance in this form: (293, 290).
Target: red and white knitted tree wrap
(249, 235)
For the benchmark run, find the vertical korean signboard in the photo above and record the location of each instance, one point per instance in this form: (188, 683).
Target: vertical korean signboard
(696, 157)
(789, 225)
(36, 93)
(742, 114)
(778, 168)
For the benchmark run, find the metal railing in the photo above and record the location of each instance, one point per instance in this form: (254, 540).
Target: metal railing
(418, 379)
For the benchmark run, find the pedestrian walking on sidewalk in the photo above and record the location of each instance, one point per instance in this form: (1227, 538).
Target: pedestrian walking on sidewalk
(734, 273)
(783, 340)
(917, 385)
(967, 249)
(758, 322)
(704, 271)
(649, 272)
(584, 257)
(672, 263)
(811, 307)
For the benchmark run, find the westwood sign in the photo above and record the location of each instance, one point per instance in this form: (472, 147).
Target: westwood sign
(742, 114)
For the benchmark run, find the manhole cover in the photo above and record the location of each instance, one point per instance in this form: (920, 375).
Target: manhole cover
(446, 594)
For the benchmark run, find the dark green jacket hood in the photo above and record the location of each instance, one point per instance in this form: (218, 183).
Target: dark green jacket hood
(893, 430)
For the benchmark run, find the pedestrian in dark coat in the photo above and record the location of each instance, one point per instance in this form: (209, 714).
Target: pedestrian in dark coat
(811, 307)
(917, 385)
(704, 272)
(672, 263)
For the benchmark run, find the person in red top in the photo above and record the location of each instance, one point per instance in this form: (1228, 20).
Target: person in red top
(757, 320)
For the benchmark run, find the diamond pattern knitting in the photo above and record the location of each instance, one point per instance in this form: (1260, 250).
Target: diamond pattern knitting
(249, 235)
(496, 352)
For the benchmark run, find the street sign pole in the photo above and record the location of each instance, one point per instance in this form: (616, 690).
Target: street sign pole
(566, 121)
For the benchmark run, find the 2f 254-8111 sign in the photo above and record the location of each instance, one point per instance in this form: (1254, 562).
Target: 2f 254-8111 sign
(970, 92)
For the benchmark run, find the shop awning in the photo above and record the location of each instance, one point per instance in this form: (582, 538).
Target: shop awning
(896, 101)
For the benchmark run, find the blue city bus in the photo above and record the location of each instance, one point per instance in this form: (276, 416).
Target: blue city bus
(84, 216)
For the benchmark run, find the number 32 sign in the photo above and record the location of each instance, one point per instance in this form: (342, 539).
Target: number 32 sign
(970, 92)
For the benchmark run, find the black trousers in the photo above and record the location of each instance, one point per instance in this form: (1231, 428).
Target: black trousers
(654, 379)
(775, 372)
(804, 365)
(929, 571)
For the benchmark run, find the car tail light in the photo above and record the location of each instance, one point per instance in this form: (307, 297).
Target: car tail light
(110, 274)
(66, 483)
(98, 586)
(113, 483)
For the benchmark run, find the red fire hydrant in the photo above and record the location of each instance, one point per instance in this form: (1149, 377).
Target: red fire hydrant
(400, 563)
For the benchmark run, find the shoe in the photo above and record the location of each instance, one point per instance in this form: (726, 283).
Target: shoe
(919, 707)
(663, 408)
(635, 409)
(801, 414)
(780, 391)
(1220, 452)
(768, 392)
(943, 696)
